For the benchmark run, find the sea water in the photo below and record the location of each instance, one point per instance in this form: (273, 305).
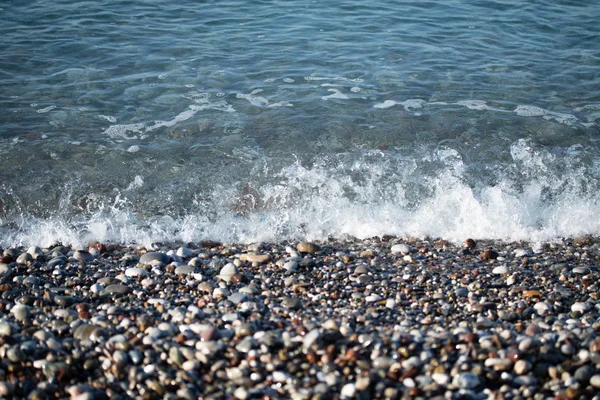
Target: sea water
(244, 121)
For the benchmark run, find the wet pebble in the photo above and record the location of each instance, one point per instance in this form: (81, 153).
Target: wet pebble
(154, 258)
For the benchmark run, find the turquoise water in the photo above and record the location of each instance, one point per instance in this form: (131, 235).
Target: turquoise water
(262, 120)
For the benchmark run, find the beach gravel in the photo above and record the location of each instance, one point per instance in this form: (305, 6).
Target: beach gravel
(340, 319)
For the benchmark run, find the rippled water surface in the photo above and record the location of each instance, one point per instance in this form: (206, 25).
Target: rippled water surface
(262, 120)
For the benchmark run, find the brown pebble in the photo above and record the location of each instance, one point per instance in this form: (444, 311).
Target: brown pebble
(532, 293)
(469, 243)
(488, 255)
(307, 247)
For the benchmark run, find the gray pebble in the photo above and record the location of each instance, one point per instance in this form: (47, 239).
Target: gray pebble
(155, 258)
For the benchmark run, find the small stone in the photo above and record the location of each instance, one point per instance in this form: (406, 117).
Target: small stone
(581, 270)
(488, 255)
(20, 312)
(522, 367)
(5, 269)
(307, 247)
(228, 271)
(116, 288)
(257, 258)
(290, 266)
(88, 332)
(521, 253)
(6, 389)
(135, 271)
(543, 308)
(35, 252)
(209, 334)
(440, 378)
(83, 256)
(401, 248)
(184, 252)
(466, 380)
(532, 293)
(310, 338)
(185, 270)
(469, 243)
(584, 373)
(580, 307)
(155, 258)
(348, 391)
(461, 292)
(500, 270)
(292, 303)
(499, 364)
(24, 258)
(238, 297)
(595, 381)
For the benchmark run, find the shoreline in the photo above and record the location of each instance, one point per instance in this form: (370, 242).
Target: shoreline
(376, 318)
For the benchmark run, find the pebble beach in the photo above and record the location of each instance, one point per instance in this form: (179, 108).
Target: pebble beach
(383, 318)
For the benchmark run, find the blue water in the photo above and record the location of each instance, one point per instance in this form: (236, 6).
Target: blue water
(265, 120)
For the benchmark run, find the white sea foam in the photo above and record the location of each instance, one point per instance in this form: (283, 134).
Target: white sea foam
(254, 100)
(368, 197)
(385, 104)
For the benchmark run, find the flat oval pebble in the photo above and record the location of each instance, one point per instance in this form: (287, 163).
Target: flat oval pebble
(154, 258)
(307, 247)
(253, 257)
(21, 312)
(24, 258)
(5, 269)
(401, 248)
(83, 256)
(580, 307)
(116, 289)
(87, 332)
(228, 271)
(581, 270)
(135, 271)
(500, 270)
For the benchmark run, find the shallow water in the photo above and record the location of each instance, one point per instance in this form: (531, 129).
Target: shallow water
(263, 120)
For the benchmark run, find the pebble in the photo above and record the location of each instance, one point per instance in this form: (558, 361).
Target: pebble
(228, 271)
(83, 256)
(257, 258)
(401, 248)
(115, 288)
(135, 271)
(24, 258)
(154, 258)
(307, 247)
(466, 380)
(5, 269)
(21, 312)
(580, 307)
(500, 270)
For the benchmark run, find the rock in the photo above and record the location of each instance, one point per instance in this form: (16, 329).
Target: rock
(348, 391)
(307, 247)
(521, 253)
(469, 243)
(461, 292)
(466, 380)
(35, 252)
(5, 269)
(595, 381)
(185, 270)
(116, 289)
(238, 297)
(401, 248)
(155, 258)
(24, 259)
(290, 266)
(500, 270)
(88, 332)
(543, 308)
(522, 367)
(580, 307)
(83, 256)
(257, 258)
(20, 312)
(532, 293)
(135, 271)
(581, 270)
(488, 255)
(228, 271)
(292, 303)
(584, 373)
(184, 252)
